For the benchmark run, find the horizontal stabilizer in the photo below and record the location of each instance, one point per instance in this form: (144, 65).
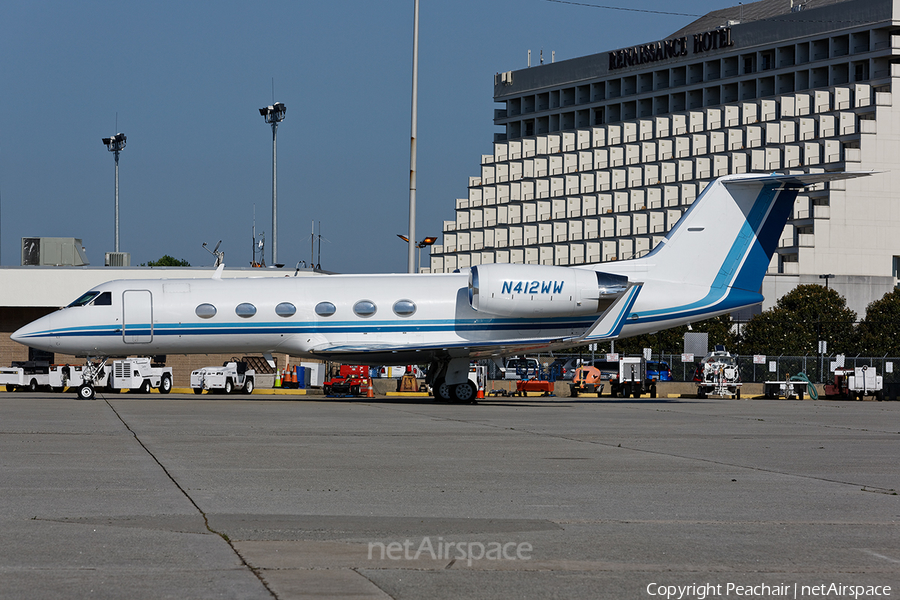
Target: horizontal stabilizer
(796, 181)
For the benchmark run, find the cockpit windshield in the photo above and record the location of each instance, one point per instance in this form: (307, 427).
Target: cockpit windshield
(84, 299)
(95, 298)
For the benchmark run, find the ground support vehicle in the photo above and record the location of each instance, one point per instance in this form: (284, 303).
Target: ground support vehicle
(718, 375)
(529, 377)
(353, 380)
(856, 383)
(625, 377)
(588, 380)
(632, 379)
(73, 376)
(789, 390)
(542, 386)
(25, 375)
(35, 375)
(231, 376)
(141, 374)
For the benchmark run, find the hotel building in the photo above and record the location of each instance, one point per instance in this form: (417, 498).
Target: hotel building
(599, 156)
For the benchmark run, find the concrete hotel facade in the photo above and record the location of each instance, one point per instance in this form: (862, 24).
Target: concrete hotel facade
(601, 155)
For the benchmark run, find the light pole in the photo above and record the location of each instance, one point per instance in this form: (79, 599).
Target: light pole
(826, 278)
(426, 242)
(412, 138)
(116, 144)
(274, 115)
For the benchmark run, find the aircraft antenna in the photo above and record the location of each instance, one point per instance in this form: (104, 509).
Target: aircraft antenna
(220, 255)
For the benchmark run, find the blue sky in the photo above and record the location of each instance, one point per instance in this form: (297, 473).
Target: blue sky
(187, 79)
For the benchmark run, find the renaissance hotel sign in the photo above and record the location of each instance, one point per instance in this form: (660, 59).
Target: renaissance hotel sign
(658, 51)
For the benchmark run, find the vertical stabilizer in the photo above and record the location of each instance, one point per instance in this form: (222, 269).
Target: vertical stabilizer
(728, 236)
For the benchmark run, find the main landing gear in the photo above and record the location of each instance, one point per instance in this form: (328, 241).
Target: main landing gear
(450, 381)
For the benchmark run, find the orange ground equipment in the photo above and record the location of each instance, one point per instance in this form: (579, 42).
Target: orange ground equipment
(587, 381)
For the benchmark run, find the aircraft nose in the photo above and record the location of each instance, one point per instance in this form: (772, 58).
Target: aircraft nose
(36, 334)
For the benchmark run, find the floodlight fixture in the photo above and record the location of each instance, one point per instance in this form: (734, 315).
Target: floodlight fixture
(116, 144)
(424, 243)
(274, 114)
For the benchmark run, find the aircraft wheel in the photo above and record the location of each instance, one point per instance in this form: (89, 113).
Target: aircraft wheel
(464, 393)
(354, 390)
(165, 384)
(198, 391)
(32, 385)
(229, 386)
(248, 386)
(145, 387)
(327, 390)
(86, 392)
(442, 391)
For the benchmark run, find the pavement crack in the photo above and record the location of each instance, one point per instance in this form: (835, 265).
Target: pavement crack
(256, 572)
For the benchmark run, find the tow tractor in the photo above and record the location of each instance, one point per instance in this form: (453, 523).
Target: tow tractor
(856, 383)
(233, 375)
(29, 375)
(141, 374)
(718, 375)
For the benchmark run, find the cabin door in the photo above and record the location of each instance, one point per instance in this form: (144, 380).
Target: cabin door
(137, 317)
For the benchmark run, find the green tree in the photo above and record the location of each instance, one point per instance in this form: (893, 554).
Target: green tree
(879, 332)
(799, 319)
(167, 261)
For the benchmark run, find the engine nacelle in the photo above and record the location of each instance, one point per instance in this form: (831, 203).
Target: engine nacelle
(542, 291)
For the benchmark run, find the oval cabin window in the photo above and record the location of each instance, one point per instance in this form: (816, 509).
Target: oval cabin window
(285, 309)
(365, 308)
(205, 311)
(245, 310)
(404, 308)
(325, 309)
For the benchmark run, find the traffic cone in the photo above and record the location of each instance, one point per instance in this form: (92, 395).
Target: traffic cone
(480, 394)
(277, 379)
(370, 393)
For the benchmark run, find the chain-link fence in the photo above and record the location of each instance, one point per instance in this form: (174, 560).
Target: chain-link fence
(819, 369)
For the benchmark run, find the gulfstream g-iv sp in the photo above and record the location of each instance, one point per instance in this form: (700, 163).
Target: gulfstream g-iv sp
(712, 262)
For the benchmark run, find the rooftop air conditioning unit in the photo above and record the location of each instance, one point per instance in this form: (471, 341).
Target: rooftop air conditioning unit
(118, 259)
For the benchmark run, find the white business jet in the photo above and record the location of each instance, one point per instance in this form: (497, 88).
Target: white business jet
(712, 262)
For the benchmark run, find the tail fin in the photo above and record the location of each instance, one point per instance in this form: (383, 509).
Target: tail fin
(729, 234)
